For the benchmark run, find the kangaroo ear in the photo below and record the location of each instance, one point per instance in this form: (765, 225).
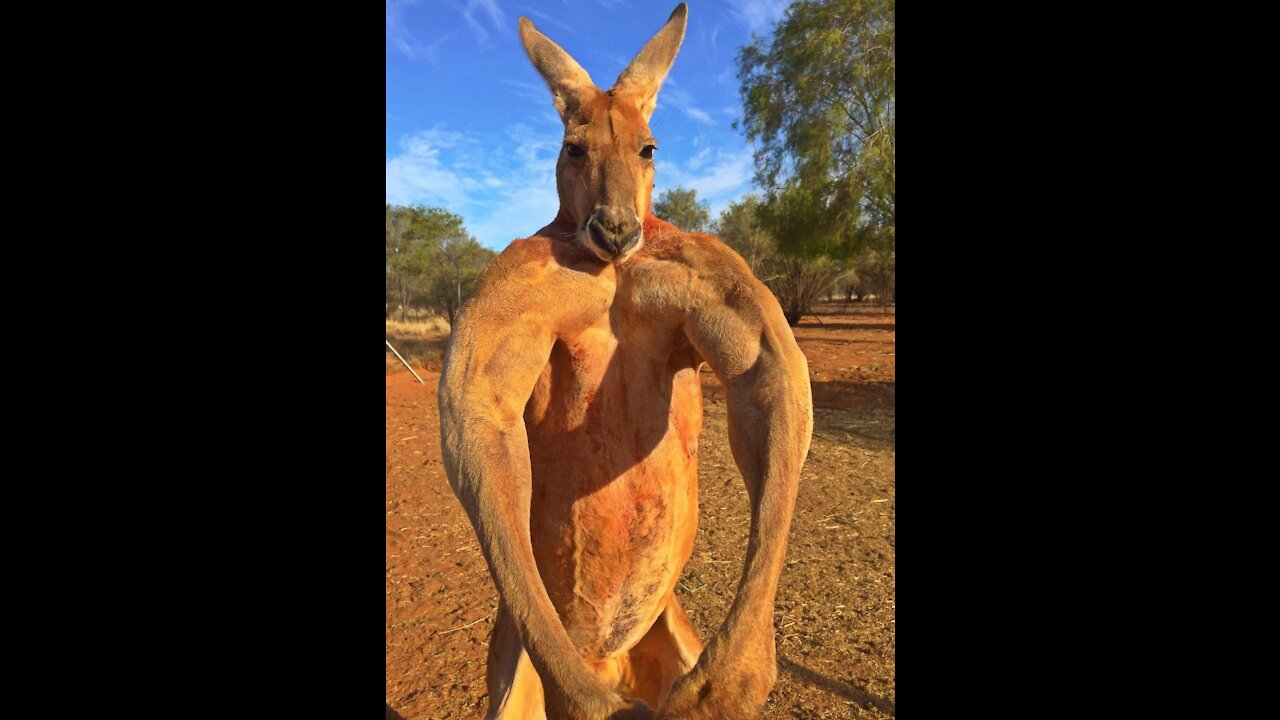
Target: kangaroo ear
(645, 74)
(566, 78)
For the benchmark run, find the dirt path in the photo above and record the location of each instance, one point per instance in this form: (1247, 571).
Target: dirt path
(835, 611)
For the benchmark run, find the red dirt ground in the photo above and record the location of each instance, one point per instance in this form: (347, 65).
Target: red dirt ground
(835, 610)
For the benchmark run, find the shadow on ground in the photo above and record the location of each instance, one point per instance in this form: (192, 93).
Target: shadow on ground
(810, 322)
(838, 687)
(854, 396)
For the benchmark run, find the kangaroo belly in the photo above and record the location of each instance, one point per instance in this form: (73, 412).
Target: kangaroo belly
(611, 557)
(614, 503)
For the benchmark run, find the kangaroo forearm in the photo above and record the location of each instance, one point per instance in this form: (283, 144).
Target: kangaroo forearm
(493, 482)
(510, 559)
(773, 507)
(769, 435)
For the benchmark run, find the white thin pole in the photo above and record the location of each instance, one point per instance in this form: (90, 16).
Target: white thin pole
(415, 373)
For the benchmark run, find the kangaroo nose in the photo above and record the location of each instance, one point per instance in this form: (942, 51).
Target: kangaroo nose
(615, 229)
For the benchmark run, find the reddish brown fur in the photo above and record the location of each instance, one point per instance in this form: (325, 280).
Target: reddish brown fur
(570, 412)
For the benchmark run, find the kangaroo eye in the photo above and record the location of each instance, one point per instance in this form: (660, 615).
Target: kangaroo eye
(573, 150)
(647, 152)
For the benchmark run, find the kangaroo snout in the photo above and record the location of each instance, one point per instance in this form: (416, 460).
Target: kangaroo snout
(614, 229)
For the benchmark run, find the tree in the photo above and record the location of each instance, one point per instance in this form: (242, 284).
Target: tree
(796, 281)
(819, 101)
(420, 273)
(739, 227)
(681, 208)
(465, 258)
(411, 240)
(878, 268)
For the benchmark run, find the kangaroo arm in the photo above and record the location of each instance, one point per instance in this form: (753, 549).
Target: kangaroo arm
(493, 363)
(741, 333)
(748, 344)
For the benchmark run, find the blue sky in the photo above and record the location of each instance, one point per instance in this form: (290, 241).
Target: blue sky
(470, 126)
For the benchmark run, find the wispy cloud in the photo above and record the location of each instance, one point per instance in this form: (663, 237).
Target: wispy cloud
(680, 99)
(490, 11)
(726, 179)
(545, 18)
(699, 115)
(399, 37)
(698, 160)
(402, 40)
(536, 92)
(728, 76)
(539, 98)
(759, 15)
(503, 187)
(421, 175)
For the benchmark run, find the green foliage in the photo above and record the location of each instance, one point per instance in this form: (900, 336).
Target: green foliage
(739, 227)
(420, 274)
(819, 101)
(877, 269)
(681, 208)
(797, 282)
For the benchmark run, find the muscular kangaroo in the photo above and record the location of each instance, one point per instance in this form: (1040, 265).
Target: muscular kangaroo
(570, 410)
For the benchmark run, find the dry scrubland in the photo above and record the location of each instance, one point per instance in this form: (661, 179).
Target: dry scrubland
(421, 342)
(835, 611)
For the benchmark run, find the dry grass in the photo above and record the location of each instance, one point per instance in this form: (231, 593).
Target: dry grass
(421, 342)
(433, 326)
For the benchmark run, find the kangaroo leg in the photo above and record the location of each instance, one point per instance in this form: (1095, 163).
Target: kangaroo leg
(515, 692)
(667, 651)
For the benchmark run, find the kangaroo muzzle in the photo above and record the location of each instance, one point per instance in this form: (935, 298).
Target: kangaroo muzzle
(614, 230)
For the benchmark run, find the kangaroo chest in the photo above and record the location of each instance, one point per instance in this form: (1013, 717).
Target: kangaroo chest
(613, 427)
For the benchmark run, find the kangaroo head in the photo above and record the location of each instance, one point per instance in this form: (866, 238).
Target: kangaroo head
(604, 174)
